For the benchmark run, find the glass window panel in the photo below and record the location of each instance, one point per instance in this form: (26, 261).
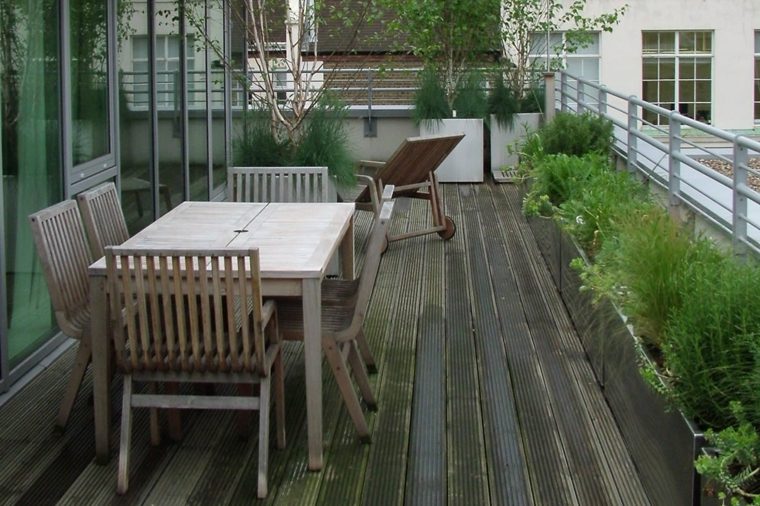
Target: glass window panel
(687, 42)
(686, 91)
(686, 68)
(89, 80)
(134, 119)
(667, 68)
(31, 166)
(171, 172)
(667, 91)
(649, 42)
(667, 42)
(160, 47)
(139, 47)
(704, 112)
(173, 45)
(757, 41)
(649, 70)
(592, 46)
(703, 91)
(218, 123)
(649, 91)
(703, 42)
(591, 69)
(757, 110)
(703, 68)
(197, 127)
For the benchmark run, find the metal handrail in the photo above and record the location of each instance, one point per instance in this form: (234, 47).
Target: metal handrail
(727, 202)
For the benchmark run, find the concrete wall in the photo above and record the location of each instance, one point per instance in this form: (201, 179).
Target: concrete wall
(733, 23)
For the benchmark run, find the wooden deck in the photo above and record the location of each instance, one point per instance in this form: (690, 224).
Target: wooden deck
(485, 397)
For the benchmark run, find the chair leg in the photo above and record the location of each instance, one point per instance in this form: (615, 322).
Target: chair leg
(263, 436)
(126, 436)
(82, 360)
(155, 429)
(369, 359)
(346, 388)
(357, 367)
(279, 400)
(174, 416)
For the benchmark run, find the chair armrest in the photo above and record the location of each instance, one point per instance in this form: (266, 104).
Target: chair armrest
(388, 192)
(368, 167)
(375, 187)
(268, 309)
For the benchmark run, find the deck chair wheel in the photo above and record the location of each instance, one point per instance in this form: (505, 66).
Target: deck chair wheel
(449, 231)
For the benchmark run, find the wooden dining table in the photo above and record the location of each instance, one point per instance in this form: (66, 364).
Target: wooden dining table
(296, 242)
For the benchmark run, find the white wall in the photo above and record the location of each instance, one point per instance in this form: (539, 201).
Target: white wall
(733, 23)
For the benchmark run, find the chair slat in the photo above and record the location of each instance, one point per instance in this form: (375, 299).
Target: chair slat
(103, 218)
(277, 184)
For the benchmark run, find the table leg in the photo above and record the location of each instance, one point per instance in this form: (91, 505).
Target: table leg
(100, 374)
(313, 363)
(347, 252)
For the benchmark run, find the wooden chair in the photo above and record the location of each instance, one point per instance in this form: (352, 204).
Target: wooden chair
(61, 243)
(194, 317)
(277, 184)
(411, 169)
(344, 306)
(103, 218)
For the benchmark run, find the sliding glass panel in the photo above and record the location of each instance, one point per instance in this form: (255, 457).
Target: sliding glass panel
(218, 125)
(89, 80)
(168, 78)
(197, 90)
(29, 76)
(134, 113)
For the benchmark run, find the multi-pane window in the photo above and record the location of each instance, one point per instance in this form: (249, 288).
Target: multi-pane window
(677, 73)
(579, 58)
(757, 76)
(167, 69)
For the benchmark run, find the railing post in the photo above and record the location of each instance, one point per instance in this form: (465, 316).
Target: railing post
(633, 140)
(563, 91)
(602, 98)
(549, 97)
(741, 159)
(674, 165)
(580, 98)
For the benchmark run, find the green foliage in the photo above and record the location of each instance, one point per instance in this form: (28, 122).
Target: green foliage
(712, 346)
(502, 103)
(575, 134)
(595, 212)
(533, 100)
(471, 100)
(257, 145)
(324, 141)
(430, 99)
(734, 464)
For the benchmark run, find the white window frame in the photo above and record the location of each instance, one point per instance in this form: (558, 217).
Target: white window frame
(560, 59)
(678, 56)
(166, 95)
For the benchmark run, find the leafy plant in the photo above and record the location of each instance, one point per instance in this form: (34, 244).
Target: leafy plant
(574, 134)
(734, 465)
(712, 346)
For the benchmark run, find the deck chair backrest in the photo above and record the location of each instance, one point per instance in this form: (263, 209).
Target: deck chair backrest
(65, 256)
(277, 184)
(371, 263)
(187, 310)
(413, 160)
(103, 218)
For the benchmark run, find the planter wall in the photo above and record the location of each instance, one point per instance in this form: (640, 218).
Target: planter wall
(501, 137)
(662, 442)
(465, 163)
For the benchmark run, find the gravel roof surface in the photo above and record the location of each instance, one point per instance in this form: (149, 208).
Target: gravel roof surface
(726, 168)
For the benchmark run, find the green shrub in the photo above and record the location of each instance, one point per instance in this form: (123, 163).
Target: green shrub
(533, 100)
(712, 347)
(257, 145)
(594, 213)
(324, 141)
(574, 134)
(560, 178)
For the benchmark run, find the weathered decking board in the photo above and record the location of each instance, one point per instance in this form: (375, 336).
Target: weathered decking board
(485, 397)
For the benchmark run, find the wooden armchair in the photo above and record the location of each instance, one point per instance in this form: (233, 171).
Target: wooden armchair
(103, 218)
(198, 317)
(344, 306)
(65, 256)
(277, 184)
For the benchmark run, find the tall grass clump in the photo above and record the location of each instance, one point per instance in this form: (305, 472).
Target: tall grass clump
(257, 145)
(471, 100)
(502, 103)
(712, 348)
(430, 100)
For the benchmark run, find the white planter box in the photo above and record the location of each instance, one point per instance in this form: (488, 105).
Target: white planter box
(465, 163)
(502, 137)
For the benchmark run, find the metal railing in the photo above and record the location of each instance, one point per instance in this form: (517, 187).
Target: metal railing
(677, 152)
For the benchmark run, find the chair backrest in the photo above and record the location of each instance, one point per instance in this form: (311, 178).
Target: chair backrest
(103, 218)
(413, 160)
(277, 184)
(186, 310)
(373, 254)
(65, 256)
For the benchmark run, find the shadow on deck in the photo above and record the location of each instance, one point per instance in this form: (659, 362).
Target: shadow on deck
(485, 397)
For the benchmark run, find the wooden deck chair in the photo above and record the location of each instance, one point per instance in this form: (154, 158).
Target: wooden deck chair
(103, 218)
(61, 243)
(412, 170)
(277, 184)
(194, 317)
(344, 306)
